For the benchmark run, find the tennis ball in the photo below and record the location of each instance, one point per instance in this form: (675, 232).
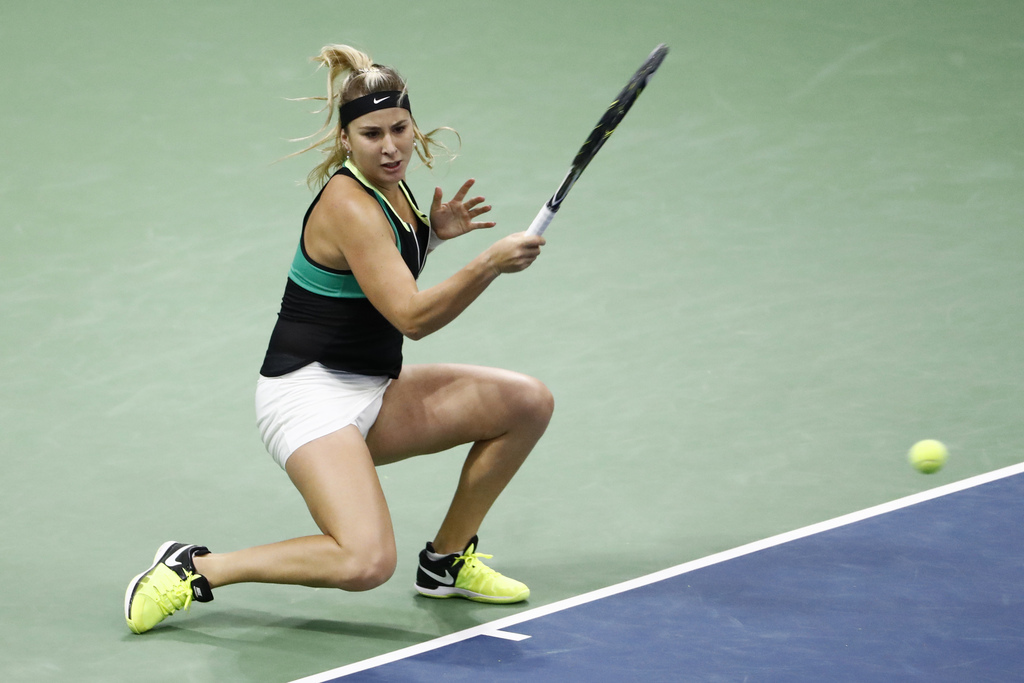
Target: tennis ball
(928, 456)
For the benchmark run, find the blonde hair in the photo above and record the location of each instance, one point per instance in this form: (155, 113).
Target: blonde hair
(362, 76)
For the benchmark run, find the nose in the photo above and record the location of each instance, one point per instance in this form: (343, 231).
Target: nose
(389, 146)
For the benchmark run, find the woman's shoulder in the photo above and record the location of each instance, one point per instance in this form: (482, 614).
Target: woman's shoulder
(345, 197)
(345, 215)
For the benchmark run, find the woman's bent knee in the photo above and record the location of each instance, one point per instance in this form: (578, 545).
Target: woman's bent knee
(536, 401)
(364, 570)
(372, 574)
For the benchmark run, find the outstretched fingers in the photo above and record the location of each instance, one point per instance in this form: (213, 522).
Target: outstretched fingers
(464, 190)
(458, 215)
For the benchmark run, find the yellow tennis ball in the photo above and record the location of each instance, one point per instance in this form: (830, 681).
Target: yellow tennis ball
(928, 456)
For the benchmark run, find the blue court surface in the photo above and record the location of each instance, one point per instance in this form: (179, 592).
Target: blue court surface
(927, 588)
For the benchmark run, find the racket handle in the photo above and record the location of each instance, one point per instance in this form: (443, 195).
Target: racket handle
(541, 222)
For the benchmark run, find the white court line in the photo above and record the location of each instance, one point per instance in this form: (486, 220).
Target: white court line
(506, 635)
(495, 628)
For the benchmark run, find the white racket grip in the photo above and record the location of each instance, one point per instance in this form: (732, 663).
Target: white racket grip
(541, 222)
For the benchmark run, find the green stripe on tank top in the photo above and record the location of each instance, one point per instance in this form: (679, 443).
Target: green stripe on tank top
(322, 282)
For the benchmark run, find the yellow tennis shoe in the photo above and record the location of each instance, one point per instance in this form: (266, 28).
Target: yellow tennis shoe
(463, 575)
(170, 584)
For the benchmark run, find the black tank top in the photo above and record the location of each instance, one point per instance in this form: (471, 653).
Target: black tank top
(326, 318)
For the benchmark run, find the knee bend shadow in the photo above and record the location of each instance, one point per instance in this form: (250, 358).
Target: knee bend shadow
(259, 625)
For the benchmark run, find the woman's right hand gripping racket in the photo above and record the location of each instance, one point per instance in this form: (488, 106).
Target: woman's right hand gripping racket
(601, 132)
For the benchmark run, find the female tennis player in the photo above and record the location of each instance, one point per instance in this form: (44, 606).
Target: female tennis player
(333, 399)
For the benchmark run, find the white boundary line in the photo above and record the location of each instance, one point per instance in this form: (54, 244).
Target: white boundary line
(507, 635)
(493, 627)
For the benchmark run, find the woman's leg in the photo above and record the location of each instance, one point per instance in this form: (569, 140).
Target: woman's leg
(356, 551)
(431, 408)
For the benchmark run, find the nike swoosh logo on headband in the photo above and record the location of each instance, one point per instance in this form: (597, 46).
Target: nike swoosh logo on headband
(376, 101)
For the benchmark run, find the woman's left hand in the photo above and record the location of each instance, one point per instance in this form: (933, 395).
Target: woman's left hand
(456, 216)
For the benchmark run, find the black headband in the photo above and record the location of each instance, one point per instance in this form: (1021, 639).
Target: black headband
(352, 110)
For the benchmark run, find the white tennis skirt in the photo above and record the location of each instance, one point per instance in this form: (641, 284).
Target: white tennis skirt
(311, 402)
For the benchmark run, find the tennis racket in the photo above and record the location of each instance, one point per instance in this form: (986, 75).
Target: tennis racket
(598, 136)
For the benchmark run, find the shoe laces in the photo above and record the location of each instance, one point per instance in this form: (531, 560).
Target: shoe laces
(173, 594)
(472, 562)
